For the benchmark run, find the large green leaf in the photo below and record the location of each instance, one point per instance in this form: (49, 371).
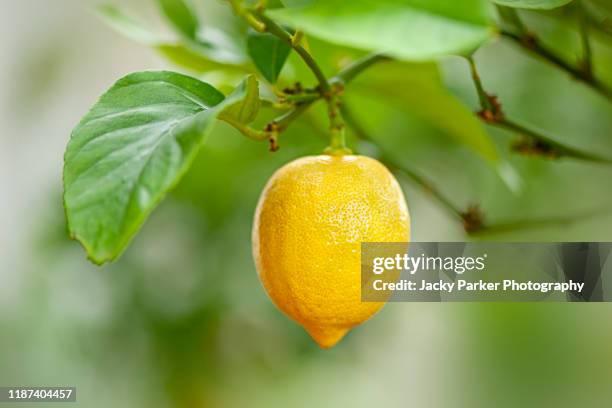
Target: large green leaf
(405, 29)
(182, 16)
(269, 53)
(533, 4)
(131, 148)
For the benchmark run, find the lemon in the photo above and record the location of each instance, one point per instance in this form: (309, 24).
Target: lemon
(311, 219)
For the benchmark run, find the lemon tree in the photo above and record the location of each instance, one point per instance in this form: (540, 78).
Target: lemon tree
(261, 70)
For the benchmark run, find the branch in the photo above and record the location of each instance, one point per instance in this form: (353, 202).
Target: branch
(259, 22)
(527, 40)
(472, 218)
(348, 73)
(273, 129)
(510, 15)
(253, 134)
(247, 16)
(280, 124)
(490, 108)
(509, 226)
(603, 25)
(531, 43)
(276, 30)
(534, 142)
(539, 144)
(587, 50)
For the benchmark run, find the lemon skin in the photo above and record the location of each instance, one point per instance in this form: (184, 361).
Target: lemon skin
(311, 219)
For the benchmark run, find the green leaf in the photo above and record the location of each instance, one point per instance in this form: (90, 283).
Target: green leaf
(182, 16)
(245, 110)
(533, 4)
(186, 54)
(133, 146)
(269, 53)
(406, 29)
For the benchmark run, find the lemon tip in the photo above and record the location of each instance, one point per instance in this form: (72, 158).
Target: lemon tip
(326, 337)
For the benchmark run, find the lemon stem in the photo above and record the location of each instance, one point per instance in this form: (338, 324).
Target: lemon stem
(336, 126)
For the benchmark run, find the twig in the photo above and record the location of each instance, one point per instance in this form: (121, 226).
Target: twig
(534, 142)
(510, 226)
(273, 129)
(259, 22)
(528, 41)
(587, 50)
(510, 15)
(533, 45)
(247, 16)
(253, 134)
(282, 123)
(276, 30)
(491, 110)
(300, 98)
(348, 73)
(545, 146)
(600, 22)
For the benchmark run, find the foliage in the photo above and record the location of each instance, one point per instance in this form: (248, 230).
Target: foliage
(268, 53)
(139, 140)
(132, 147)
(533, 4)
(411, 30)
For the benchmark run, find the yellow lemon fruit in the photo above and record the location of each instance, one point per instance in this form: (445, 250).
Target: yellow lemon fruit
(311, 219)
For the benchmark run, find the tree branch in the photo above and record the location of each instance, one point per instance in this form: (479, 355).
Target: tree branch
(533, 45)
(534, 142)
(516, 225)
(259, 22)
(587, 50)
(348, 73)
(528, 41)
(276, 30)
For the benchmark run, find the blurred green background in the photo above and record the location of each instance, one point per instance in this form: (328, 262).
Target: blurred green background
(181, 319)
